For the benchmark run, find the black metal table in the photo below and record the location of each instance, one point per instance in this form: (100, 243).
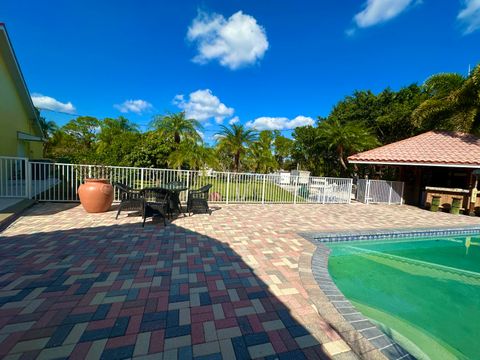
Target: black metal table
(174, 199)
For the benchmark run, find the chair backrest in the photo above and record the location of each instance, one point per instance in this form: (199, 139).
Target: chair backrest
(123, 189)
(120, 186)
(205, 188)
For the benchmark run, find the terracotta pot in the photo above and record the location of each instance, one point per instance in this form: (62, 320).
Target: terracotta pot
(96, 195)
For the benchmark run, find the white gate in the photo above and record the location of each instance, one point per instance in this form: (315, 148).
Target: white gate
(380, 192)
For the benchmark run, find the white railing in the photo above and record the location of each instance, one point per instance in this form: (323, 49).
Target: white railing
(380, 192)
(14, 177)
(59, 182)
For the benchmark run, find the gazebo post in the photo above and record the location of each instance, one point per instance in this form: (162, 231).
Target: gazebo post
(473, 192)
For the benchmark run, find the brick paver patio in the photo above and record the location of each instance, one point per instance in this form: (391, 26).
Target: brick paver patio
(236, 284)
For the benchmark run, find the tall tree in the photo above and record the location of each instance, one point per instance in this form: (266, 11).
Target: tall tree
(115, 140)
(48, 127)
(193, 154)
(149, 151)
(49, 130)
(308, 153)
(110, 128)
(345, 139)
(283, 150)
(177, 127)
(76, 141)
(454, 103)
(84, 130)
(234, 140)
(260, 153)
(388, 113)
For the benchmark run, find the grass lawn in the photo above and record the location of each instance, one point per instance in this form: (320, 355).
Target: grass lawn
(241, 191)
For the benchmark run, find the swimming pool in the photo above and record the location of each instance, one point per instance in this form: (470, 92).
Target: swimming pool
(423, 292)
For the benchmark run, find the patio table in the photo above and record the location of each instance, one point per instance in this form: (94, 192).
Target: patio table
(174, 190)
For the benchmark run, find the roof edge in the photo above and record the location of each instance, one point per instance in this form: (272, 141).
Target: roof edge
(399, 163)
(33, 110)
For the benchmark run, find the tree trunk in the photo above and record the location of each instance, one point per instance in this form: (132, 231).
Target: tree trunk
(340, 157)
(237, 161)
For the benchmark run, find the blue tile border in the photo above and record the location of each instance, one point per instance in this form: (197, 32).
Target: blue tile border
(368, 235)
(372, 333)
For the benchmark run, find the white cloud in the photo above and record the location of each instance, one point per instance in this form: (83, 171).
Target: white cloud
(235, 42)
(280, 123)
(49, 103)
(469, 16)
(134, 106)
(378, 11)
(203, 105)
(234, 120)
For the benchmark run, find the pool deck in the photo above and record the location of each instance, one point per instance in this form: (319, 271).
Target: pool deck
(236, 284)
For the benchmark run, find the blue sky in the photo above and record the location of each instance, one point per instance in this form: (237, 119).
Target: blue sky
(268, 64)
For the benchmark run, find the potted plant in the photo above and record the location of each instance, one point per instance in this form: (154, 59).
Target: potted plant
(96, 193)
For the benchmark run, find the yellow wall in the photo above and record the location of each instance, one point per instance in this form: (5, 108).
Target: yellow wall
(13, 118)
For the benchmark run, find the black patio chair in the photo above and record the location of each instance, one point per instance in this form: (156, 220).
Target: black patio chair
(155, 203)
(198, 200)
(129, 199)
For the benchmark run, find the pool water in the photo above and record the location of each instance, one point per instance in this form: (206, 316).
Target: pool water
(424, 292)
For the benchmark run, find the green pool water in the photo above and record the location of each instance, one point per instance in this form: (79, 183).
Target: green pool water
(425, 293)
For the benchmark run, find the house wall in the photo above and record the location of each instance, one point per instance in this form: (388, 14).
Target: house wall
(13, 118)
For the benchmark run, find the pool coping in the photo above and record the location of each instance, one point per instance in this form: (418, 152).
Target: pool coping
(361, 334)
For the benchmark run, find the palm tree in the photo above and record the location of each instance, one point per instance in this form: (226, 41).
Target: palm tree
(260, 153)
(194, 154)
(234, 140)
(112, 128)
(345, 139)
(177, 127)
(454, 103)
(48, 127)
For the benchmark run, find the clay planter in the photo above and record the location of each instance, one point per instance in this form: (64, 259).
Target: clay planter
(96, 195)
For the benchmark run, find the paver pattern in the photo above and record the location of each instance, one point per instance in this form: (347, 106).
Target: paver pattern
(233, 285)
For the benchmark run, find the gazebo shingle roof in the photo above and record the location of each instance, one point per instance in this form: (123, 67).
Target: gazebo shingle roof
(433, 148)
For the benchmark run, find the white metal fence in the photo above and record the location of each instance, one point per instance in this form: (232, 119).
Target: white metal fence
(13, 177)
(45, 181)
(380, 191)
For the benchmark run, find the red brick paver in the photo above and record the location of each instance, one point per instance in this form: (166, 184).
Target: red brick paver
(236, 284)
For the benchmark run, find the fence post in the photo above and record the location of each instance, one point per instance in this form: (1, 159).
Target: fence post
(228, 187)
(401, 196)
(350, 190)
(324, 190)
(295, 190)
(28, 179)
(367, 192)
(188, 183)
(390, 193)
(141, 178)
(263, 189)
